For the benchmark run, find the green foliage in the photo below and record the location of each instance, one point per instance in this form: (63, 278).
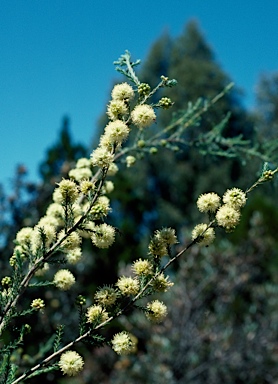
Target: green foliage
(58, 338)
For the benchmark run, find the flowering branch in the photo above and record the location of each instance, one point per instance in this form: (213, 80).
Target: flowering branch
(79, 210)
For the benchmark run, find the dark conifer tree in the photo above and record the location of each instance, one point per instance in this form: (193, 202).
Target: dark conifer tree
(267, 105)
(61, 155)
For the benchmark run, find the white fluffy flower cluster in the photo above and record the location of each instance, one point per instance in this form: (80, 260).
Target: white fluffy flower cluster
(64, 279)
(71, 363)
(123, 343)
(226, 215)
(103, 235)
(143, 116)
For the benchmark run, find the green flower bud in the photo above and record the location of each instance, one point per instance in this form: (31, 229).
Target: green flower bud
(141, 143)
(80, 300)
(153, 150)
(144, 89)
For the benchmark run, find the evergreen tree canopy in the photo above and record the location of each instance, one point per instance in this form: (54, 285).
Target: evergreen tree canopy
(61, 154)
(267, 105)
(158, 60)
(191, 61)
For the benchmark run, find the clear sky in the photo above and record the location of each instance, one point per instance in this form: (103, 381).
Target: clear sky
(57, 58)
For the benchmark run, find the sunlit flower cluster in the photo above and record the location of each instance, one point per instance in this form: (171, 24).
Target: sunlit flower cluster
(42, 236)
(142, 267)
(64, 279)
(161, 241)
(208, 202)
(157, 247)
(123, 343)
(122, 92)
(108, 187)
(82, 170)
(102, 157)
(112, 169)
(79, 174)
(74, 255)
(106, 296)
(116, 132)
(235, 198)
(24, 236)
(116, 109)
(161, 283)
(70, 241)
(128, 285)
(156, 311)
(71, 363)
(49, 220)
(57, 196)
(68, 190)
(103, 235)
(143, 116)
(204, 234)
(83, 163)
(87, 186)
(101, 208)
(167, 236)
(56, 211)
(227, 217)
(96, 313)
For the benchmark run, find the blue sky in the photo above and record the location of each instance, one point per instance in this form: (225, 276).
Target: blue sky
(57, 59)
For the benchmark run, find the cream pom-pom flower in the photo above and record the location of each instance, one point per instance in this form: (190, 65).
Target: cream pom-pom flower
(74, 255)
(161, 283)
(203, 234)
(235, 198)
(106, 296)
(24, 236)
(116, 109)
(142, 267)
(208, 202)
(71, 363)
(156, 311)
(71, 241)
(64, 279)
(143, 115)
(116, 131)
(83, 163)
(96, 313)
(123, 343)
(122, 92)
(68, 190)
(103, 236)
(102, 157)
(227, 217)
(80, 174)
(167, 236)
(128, 285)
